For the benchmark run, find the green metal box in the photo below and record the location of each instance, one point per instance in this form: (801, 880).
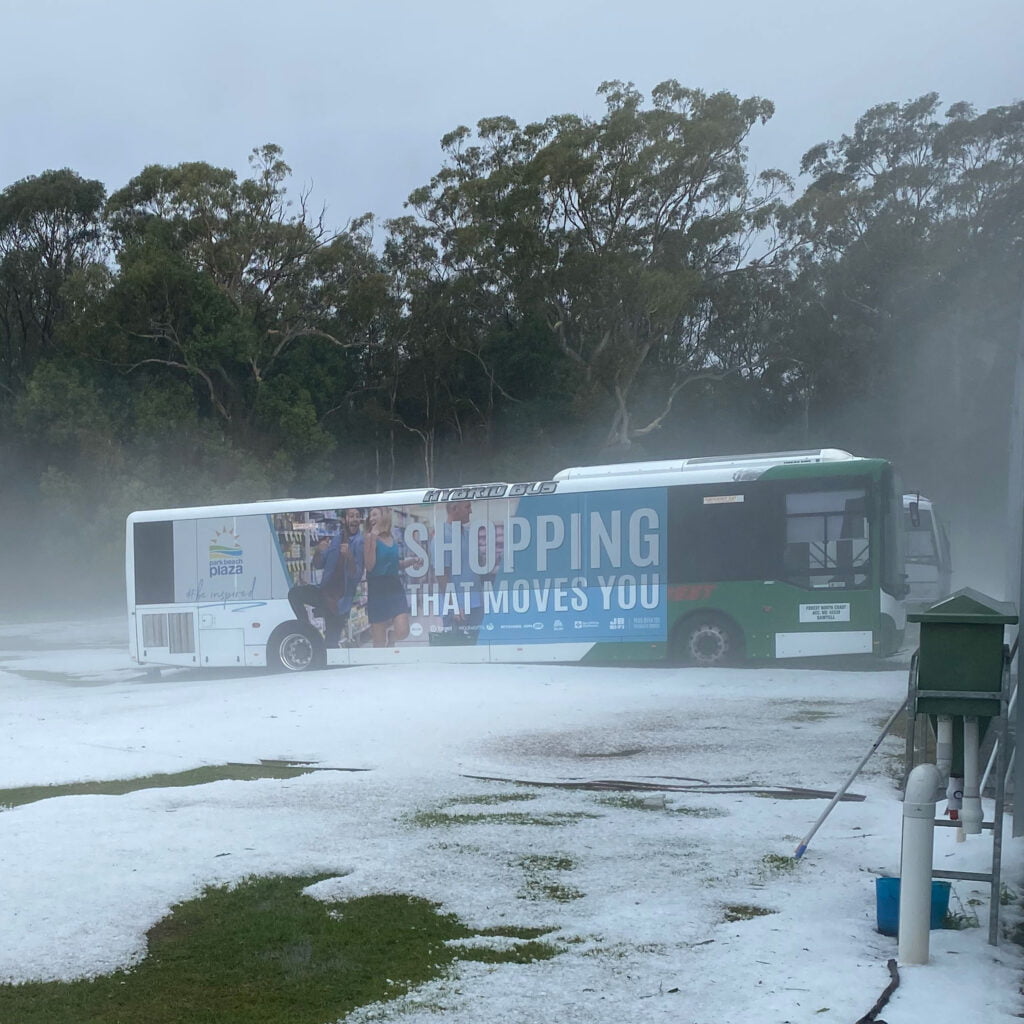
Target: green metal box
(961, 649)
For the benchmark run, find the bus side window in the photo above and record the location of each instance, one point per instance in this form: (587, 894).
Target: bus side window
(831, 527)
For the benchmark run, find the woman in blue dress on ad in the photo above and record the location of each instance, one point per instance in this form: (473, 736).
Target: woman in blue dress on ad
(386, 603)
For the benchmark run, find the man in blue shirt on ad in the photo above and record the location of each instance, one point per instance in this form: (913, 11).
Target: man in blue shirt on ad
(456, 575)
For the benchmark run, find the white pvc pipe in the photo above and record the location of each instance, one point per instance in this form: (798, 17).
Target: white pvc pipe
(923, 789)
(944, 745)
(971, 815)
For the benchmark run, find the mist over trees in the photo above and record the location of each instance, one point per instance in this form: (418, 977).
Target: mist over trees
(575, 290)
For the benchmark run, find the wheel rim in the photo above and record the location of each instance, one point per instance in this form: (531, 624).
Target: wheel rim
(709, 644)
(296, 652)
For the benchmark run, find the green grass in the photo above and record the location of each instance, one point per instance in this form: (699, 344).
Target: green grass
(775, 863)
(263, 953)
(119, 787)
(963, 916)
(634, 803)
(744, 912)
(443, 819)
(489, 799)
(441, 815)
(641, 803)
(555, 892)
(698, 812)
(540, 881)
(535, 863)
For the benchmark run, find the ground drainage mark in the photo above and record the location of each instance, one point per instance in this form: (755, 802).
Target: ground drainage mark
(714, 789)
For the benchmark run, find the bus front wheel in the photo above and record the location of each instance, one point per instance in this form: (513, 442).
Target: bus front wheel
(708, 640)
(295, 647)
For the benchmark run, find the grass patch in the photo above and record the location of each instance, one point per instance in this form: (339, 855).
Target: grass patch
(489, 799)
(653, 801)
(514, 932)
(744, 912)
(521, 953)
(263, 953)
(621, 950)
(556, 892)
(962, 916)
(193, 777)
(699, 812)
(641, 803)
(776, 863)
(540, 883)
(536, 863)
(441, 816)
(443, 819)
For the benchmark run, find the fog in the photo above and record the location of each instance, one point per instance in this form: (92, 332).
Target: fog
(944, 419)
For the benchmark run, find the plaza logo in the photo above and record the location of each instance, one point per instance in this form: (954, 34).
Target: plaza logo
(225, 554)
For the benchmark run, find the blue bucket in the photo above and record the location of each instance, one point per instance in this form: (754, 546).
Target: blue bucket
(887, 904)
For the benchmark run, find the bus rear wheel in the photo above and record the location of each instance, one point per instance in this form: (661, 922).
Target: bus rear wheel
(295, 647)
(709, 641)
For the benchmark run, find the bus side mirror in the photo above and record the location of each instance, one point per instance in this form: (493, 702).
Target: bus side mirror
(915, 514)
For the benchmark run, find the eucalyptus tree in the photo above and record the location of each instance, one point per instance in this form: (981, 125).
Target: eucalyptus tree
(49, 231)
(449, 359)
(911, 273)
(223, 281)
(612, 232)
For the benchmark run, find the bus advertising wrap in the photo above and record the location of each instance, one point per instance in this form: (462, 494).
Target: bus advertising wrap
(533, 569)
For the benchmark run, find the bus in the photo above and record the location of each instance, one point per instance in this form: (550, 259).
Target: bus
(928, 555)
(707, 561)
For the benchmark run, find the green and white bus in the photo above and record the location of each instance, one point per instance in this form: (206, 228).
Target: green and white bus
(703, 560)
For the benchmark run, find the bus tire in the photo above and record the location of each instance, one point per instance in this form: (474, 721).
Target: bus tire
(295, 647)
(707, 640)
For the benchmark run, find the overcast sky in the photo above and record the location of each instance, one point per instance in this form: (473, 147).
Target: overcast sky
(359, 94)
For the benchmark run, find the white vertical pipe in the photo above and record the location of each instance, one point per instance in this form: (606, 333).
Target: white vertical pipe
(971, 815)
(944, 745)
(923, 788)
